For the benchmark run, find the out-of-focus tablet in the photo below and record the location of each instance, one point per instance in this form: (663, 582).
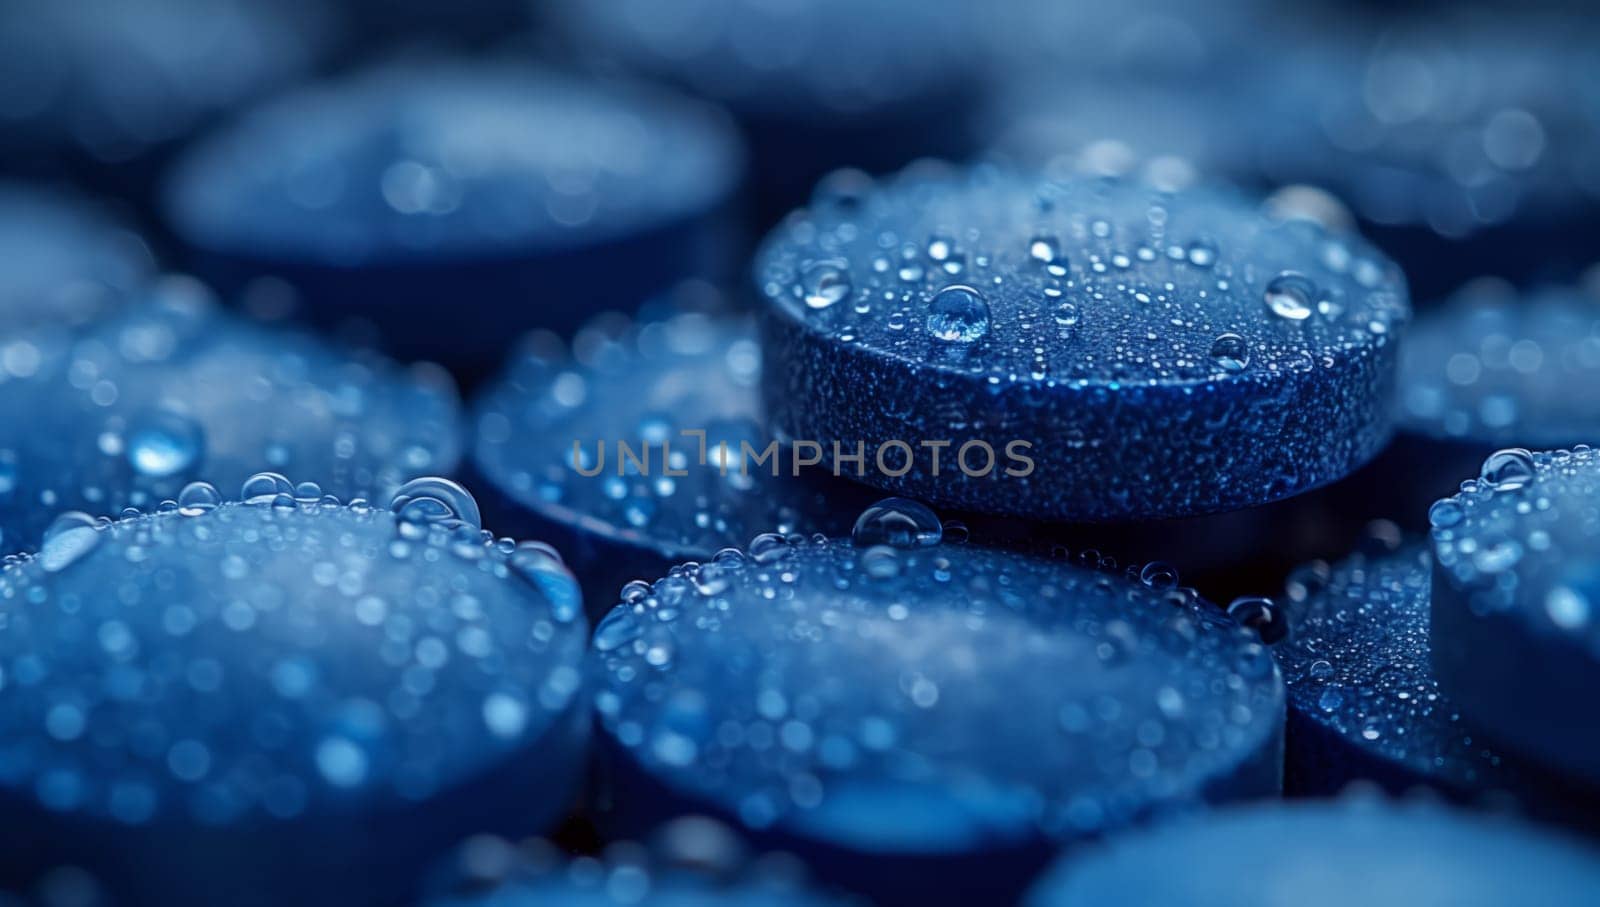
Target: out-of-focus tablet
(172, 389)
(875, 706)
(1080, 349)
(67, 263)
(1333, 854)
(866, 84)
(1515, 596)
(492, 197)
(642, 445)
(284, 699)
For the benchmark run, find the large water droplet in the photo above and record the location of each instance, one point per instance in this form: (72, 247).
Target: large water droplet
(164, 444)
(824, 283)
(1231, 352)
(1044, 249)
(1445, 514)
(1508, 470)
(197, 498)
(431, 499)
(1290, 295)
(1261, 615)
(264, 488)
(71, 536)
(898, 523)
(540, 565)
(958, 314)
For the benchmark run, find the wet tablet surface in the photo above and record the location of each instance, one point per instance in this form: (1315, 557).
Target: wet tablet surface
(1517, 642)
(641, 440)
(403, 184)
(67, 262)
(172, 390)
(1102, 330)
(1363, 701)
(1492, 368)
(878, 709)
(303, 689)
(1334, 854)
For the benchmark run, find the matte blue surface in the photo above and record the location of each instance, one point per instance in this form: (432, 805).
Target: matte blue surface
(1331, 855)
(665, 502)
(172, 389)
(1515, 595)
(284, 700)
(1164, 354)
(67, 262)
(926, 722)
(494, 194)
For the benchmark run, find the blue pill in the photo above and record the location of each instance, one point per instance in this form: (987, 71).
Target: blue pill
(1363, 700)
(1081, 350)
(493, 196)
(68, 262)
(284, 698)
(115, 80)
(1515, 597)
(694, 861)
(1331, 854)
(868, 84)
(925, 719)
(642, 445)
(172, 389)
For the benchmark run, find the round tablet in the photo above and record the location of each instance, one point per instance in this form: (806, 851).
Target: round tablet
(868, 84)
(1048, 348)
(391, 193)
(641, 446)
(116, 78)
(172, 389)
(67, 262)
(1363, 701)
(285, 697)
(877, 709)
(1517, 585)
(713, 871)
(1333, 854)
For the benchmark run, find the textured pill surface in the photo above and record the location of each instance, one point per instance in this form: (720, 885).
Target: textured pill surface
(1515, 598)
(341, 686)
(646, 436)
(172, 389)
(1104, 330)
(879, 709)
(66, 262)
(1363, 701)
(1333, 854)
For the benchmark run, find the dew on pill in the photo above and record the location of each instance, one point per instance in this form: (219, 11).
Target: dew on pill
(958, 314)
(897, 523)
(1231, 352)
(1290, 295)
(1507, 470)
(825, 283)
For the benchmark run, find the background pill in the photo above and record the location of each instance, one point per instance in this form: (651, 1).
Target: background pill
(172, 389)
(1516, 642)
(1114, 331)
(506, 194)
(284, 698)
(550, 434)
(1330, 854)
(68, 261)
(876, 709)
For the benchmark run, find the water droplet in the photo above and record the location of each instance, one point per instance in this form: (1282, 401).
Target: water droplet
(197, 498)
(433, 499)
(263, 487)
(824, 283)
(164, 444)
(1445, 514)
(1159, 575)
(1290, 295)
(881, 562)
(898, 523)
(1202, 253)
(1066, 314)
(1261, 615)
(540, 565)
(71, 536)
(1508, 470)
(1044, 249)
(958, 314)
(1231, 352)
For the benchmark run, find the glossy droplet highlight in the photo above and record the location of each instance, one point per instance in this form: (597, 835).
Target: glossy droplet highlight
(1508, 470)
(898, 523)
(164, 444)
(71, 536)
(1261, 615)
(1231, 352)
(958, 314)
(1291, 295)
(197, 498)
(824, 283)
(431, 499)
